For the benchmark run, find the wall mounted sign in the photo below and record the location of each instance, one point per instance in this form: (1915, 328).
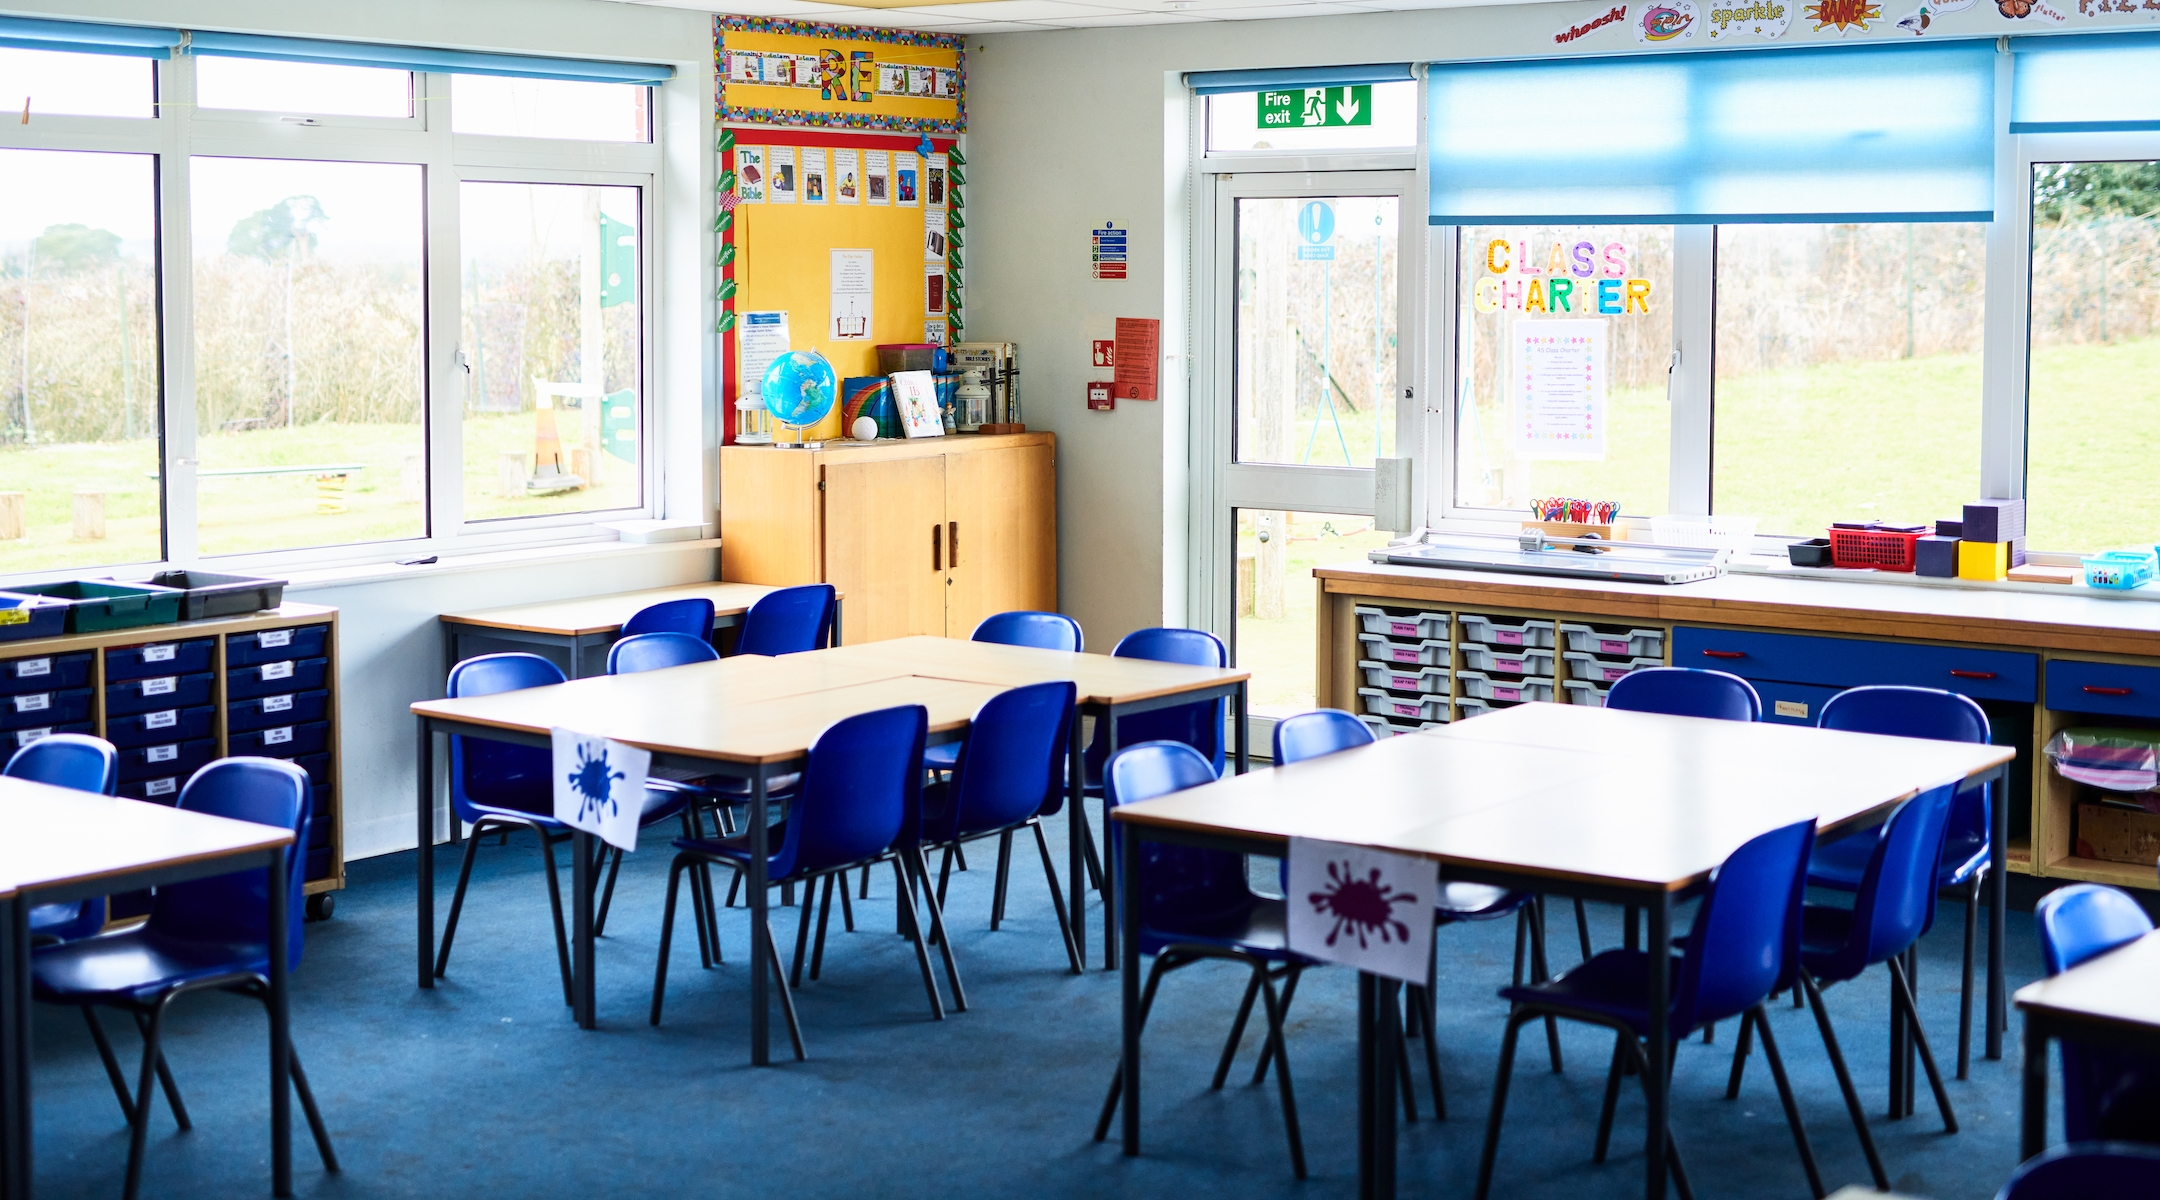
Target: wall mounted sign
(1843, 15)
(1316, 232)
(1107, 251)
(1611, 18)
(1316, 108)
(1556, 381)
(1139, 352)
(1765, 19)
(806, 73)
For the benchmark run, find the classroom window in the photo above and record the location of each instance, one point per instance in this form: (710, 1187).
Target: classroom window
(551, 326)
(550, 108)
(1563, 349)
(1847, 373)
(79, 387)
(309, 381)
(1274, 628)
(2093, 391)
(86, 85)
(260, 85)
(1288, 120)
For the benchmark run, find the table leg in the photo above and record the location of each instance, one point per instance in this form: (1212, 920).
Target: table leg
(581, 935)
(2032, 1122)
(836, 606)
(280, 1025)
(452, 643)
(1998, 1013)
(1127, 882)
(1657, 1081)
(1244, 732)
(761, 949)
(14, 1049)
(1379, 1036)
(424, 809)
(1367, 1120)
(1076, 837)
(1109, 896)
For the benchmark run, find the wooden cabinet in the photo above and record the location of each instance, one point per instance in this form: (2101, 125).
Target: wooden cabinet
(926, 536)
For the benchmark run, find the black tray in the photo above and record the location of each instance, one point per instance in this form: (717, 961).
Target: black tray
(210, 595)
(1814, 552)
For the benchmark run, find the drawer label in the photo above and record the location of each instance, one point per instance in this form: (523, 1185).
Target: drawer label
(1403, 683)
(165, 686)
(15, 616)
(162, 653)
(274, 637)
(1507, 637)
(1403, 628)
(1790, 708)
(37, 703)
(1612, 646)
(161, 720)
(1404, 710)
(162, 753)
(24, 737)
(277, 670)
(31, 667)
(1520, 666)
(1403, 654)
(1612, 673)
(278, 736)
(276, 703)
(1507, 693)
(161, 787)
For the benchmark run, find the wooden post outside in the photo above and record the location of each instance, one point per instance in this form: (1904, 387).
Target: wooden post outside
(583, 462)
(89, 516)
(14, 516)
(509, 474)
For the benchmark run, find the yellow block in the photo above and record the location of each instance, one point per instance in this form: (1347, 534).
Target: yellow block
(1983, 560)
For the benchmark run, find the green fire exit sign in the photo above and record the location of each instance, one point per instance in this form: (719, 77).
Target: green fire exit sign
(1316, 108)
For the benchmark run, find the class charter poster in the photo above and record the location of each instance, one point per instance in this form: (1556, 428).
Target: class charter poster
(1556, 389)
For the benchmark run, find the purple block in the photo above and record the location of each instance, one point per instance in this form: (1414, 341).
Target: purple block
(1995, 521)
(1950, 529)
(1936, 556)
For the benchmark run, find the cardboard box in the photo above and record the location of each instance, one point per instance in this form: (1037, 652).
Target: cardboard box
(1983, 560)
(2117, 835)
(1995, 521)
(1936, 557)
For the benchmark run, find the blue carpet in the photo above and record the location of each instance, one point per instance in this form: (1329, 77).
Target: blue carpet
(483, 1086)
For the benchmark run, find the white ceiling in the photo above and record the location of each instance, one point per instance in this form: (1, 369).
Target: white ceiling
(1016, 16)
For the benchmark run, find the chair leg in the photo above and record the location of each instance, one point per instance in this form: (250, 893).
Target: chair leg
(1740, 1054)
(607, 893)
(667, 934)
(1672, 1144)
(941, 935)
(1088, 855)
(1612, 1101)
(1540, 971)
(457, 901)
(944, 874)
(1237, 1029)
(1582, 928)
(802, 931)
(997, 886)
(708, 941)
(1430, 1035)
(734, 885)
(1057, 899)
(112, 1063)
(562, 939)
(1761, 1020)
(780, 983)
(824, 914)
(959, 855)
(1117, 1077)
(712, 915)
(865, 894)
(847, 906)
(1275, 1015)
(1499, 1108)
(165, 1080)
(1927, 1056)
(1845, 1083)
(323, 1148)
(1267, 1052)
(139, 1120)
(1404, 1081)
(914, 934)
(1965, 997)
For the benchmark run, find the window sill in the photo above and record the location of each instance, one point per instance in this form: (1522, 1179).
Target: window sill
(364, 573)
(1762, 565)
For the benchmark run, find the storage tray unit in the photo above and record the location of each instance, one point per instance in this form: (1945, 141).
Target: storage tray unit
(1599, 669)
(1403, 623)
(1614, 640)
(176, 696)
(1427, 653)
(1517, 632)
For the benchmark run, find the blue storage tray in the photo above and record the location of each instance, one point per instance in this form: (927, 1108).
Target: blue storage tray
(283, 675)
(158, 789)
(284, 708)
(2115, 689)
(24, 617)
(31, 710)
(1852, 662)
(319, 825)
(16, 739)
(161, 725)
(45, 673)
(159, 658)
(166, 758)
(319, 865)
(164, 691)
(281, 741)
(276, 645)
(317, 766)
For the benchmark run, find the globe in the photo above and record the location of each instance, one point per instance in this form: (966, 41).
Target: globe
(799, 388)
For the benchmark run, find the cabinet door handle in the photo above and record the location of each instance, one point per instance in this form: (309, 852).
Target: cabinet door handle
(1723, 654)
(952, 543)
(937, 553)
(1957, 674)
(2107, 691)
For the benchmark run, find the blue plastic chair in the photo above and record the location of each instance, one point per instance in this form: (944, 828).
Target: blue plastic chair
(1011, 768)
(859, 803)
(1198, 725)
(1686, 692)
(2107, 1094)
(1041, 630)
(498, 787)
(656, 651)
(202, 935)
(789, 621)
(1920, 713)
(2087, 1172)
(1734, 954)
(86, 764)
(1195, 905)
(691, 616)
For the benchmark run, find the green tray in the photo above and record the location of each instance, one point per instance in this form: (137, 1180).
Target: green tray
(94, 607)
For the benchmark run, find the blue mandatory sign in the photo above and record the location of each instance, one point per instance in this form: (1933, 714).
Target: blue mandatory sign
(1316, 227)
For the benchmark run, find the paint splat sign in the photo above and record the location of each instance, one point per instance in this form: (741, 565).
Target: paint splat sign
(599, 785)
(1362, 908)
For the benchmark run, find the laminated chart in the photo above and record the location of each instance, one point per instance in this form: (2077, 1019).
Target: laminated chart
(1556, 373)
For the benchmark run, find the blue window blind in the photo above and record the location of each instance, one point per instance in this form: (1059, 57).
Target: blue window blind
(1215, 83)
(416, 58)
(82, 37)
(1874, 133)
(2085, 84)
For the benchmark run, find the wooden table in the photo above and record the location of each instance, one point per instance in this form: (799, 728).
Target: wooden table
(1108, 688)
(746, 717)
(593, 622)
(58, 845)
(2112, 1001)
(1629, 808)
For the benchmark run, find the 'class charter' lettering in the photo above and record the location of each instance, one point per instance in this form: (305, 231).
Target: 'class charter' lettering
(1579, 278)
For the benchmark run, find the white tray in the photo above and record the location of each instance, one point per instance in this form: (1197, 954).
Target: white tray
(1506, 660)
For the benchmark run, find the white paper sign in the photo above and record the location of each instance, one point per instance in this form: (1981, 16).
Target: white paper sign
(1556, 382)
(600, 786)
(854, 279)
(1363, 908)
(764, 338)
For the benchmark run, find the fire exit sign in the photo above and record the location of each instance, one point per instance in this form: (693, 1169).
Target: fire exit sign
(1316, 108)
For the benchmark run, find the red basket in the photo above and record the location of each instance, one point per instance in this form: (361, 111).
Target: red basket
(1882, 549)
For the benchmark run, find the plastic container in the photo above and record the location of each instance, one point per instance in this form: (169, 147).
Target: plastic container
(1506, 631)
(288, 675)
(1615, 639)
(275, 645)
(1582, 691)
(1416, 654)
(1419, 625)
(95, 606)
(159, 658)
(282, 741)
(1485, 687)
(37, 710)
(210, 595)
(1467, 707)
(265, 711)
(2119, 570)
(1422, 681)
(1385, 728)
(166, 758)
(2115, 760)
(157, 693)
(45, 673)
(16, 739)
(1721, 532)
(1382, 703)
(1495, 660)
(1814, 552)
(1883, 548)
(1604, 670)
(24, 617)
(161, 725)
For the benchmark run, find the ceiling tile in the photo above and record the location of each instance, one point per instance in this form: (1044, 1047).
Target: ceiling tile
(1016, 10)
(1134, 19)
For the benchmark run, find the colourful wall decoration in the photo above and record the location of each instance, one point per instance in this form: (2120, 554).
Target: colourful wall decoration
(812, 75)
(1584, 278)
